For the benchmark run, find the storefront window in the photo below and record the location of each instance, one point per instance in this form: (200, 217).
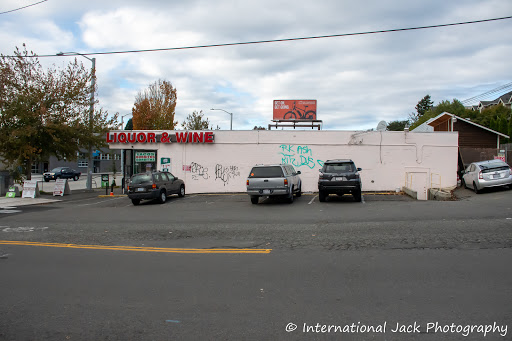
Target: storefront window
(144, 161)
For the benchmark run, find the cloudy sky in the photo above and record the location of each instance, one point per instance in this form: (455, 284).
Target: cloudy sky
(356, 80)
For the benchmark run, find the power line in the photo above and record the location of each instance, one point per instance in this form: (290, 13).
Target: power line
(487, 93)
(17, 9)
(280, 40)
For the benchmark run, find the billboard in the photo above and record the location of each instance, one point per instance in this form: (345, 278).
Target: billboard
(289, 110)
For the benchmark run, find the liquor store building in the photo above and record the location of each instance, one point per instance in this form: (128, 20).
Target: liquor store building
(220, 161)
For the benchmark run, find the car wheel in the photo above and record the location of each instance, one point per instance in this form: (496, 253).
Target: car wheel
(357, 196)
(290, 197)
(299, 192)
(255, 199)
(322, 196)
(475, 188)
(75, 178)
(181, 194)
(135, 201)
(162, 197)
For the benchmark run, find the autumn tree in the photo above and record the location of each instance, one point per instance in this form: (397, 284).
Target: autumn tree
(154, 107)
(46, 112)
(196, 121)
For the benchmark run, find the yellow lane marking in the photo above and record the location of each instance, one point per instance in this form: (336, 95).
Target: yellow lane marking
(134, 248)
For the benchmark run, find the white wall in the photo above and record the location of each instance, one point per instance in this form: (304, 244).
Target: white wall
(388, 159)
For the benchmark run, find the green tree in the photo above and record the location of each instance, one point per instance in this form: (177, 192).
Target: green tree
(46, 111)
(424, 105)
(195, 121)
(154, 107)
(397, 125)
(129, 125)
(455, 107)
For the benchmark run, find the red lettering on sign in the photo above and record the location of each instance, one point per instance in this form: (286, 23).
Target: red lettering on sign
(165, 138)
(208, 137)
(111, 140)
(181, 137)
(141, 137)
(198, 138)
(122, 137)
(131, 137)
(151, 138)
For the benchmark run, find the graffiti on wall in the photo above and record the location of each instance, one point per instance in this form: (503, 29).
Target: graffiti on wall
(225, 173)
(198, 172)
(298, 156)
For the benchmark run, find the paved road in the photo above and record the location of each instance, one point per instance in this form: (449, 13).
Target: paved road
(387, 260)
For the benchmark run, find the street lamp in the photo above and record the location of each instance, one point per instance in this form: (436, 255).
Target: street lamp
(122, 156)
(91, 111)
(231, 114)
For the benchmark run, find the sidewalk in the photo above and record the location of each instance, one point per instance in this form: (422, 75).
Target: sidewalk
(48, 198)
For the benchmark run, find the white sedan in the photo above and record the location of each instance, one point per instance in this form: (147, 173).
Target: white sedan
(491, 173)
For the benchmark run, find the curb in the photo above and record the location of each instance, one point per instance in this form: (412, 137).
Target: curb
(112, 196)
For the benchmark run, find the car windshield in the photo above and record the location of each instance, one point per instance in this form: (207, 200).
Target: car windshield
(56, 170)
(266, 172)
(141, 178)
(339, 167)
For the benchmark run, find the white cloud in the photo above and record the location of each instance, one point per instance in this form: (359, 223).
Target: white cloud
(357, 80)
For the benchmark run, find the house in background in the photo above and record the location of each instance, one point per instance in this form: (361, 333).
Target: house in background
(505, 100)
(104, 160)
(476, 142)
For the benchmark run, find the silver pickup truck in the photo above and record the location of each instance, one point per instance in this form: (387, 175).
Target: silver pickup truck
(273, 180)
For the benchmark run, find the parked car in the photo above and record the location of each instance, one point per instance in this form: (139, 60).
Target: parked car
(339, 177)
(273, 180)
(156, 185)
(483, 174)
(62, 173)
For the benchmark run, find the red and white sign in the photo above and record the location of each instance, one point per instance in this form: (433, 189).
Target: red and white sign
(291, 110)
(164, 137)
(30, 189)
(61, 187)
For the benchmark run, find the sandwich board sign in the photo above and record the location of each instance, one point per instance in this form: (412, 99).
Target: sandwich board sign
(30, 189)
(61, 187)
(13, 192)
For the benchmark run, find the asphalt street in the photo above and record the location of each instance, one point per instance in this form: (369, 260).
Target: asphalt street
(216, 267)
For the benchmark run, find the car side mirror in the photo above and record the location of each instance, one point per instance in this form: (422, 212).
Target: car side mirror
(298, 172)
(359, 169)
(175, 178)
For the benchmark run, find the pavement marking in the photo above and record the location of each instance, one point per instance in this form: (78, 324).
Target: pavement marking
(311, 201)
(134, 248)
(4, 211)
(362, 199)
(172, 321)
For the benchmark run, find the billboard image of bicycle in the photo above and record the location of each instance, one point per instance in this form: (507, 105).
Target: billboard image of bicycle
(292, 110)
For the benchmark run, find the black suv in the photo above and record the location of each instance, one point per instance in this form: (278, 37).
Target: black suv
(339, 177)
(156, 185)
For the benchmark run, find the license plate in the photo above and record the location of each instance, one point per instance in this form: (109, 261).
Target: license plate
(141, 189)
(266, 191)
(496, 176)
(339, 178)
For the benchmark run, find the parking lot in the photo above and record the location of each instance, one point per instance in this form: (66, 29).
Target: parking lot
(128, 270)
